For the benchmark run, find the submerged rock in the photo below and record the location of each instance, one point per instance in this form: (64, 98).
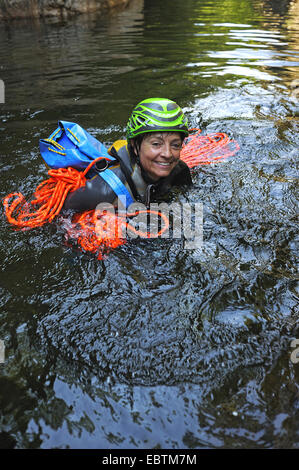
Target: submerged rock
(39, 8)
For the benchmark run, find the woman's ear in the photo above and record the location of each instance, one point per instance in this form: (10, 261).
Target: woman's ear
(134, 146)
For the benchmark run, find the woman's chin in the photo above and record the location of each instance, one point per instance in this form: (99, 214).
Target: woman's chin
(159, 174)
(159, 171)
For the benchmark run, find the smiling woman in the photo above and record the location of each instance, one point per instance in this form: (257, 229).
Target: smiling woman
(148, 162)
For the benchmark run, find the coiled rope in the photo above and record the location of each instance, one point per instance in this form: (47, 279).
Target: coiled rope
(49, 198)
(201, 149)
(100, 232)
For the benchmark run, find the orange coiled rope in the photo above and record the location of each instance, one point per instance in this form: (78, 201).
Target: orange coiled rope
(93, 233)
(49, 198)
(201, 149)
(100, 232)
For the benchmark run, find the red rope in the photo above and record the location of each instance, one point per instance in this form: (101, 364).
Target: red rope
(102, 232)
(49, 198)
(206, 149)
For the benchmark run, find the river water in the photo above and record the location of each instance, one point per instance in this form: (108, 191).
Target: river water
(156, 346)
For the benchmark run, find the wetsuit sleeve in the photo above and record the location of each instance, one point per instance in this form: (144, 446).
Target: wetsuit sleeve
(89, 196)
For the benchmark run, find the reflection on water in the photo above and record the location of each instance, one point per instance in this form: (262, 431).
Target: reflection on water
(156, 346)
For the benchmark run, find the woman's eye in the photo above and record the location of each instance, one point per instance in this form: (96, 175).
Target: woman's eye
(175, 146)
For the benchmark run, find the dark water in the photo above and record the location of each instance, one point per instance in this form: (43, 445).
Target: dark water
(156, 346)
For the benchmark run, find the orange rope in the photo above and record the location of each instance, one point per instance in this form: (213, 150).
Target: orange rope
(93, 233)
(50, 196)
(206, 149)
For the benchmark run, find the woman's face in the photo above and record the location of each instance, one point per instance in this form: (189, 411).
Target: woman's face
(159, 153)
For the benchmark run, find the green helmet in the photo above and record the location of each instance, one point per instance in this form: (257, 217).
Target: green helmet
(156, 115)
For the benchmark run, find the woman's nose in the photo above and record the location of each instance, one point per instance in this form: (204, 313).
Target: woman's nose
(166, 150)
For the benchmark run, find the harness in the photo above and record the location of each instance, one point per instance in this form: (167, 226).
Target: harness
(72, 146)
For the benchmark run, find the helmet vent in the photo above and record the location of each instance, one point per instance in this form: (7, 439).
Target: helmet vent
(155, 106)
(172, 106)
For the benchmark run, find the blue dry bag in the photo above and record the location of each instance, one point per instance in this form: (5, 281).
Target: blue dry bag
(71, 145)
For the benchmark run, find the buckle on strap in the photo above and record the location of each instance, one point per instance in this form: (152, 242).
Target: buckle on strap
(101, 165)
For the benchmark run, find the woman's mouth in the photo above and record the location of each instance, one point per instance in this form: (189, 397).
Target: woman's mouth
(164, 164)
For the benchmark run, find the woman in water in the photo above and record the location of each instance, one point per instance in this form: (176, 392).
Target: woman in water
(147, 163)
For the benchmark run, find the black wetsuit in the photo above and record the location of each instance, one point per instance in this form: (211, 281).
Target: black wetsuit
(138, 183)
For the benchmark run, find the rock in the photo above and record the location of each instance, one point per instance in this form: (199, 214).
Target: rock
(10, 9)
